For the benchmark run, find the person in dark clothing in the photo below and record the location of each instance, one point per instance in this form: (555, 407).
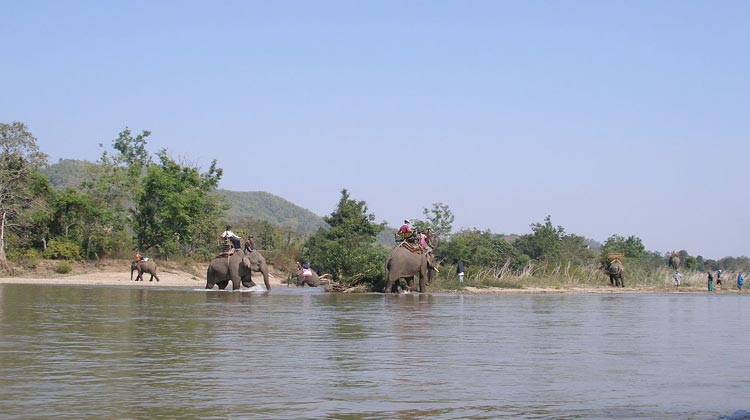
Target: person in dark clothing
(249, 244)
(460, 271)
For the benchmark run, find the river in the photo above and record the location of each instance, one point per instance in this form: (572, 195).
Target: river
(146, 352)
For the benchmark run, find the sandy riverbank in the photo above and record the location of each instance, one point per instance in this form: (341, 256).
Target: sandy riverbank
(117, 273)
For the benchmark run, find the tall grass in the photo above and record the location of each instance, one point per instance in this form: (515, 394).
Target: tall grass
(565, 275)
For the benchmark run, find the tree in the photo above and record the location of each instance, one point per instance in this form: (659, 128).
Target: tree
(543, 243)
(632, 247)
(347, 250)
(20, 159)
(438, 220)
(174, 208)
(478, 249)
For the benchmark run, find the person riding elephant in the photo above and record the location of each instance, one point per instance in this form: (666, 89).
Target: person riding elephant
(304, 276)
(406, 262)
(231, 237)
(616, 273)
(143, 266)
(238, 269)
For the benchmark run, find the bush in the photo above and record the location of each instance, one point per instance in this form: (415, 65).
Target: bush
(63, 267)
(63, 249)
(30, 259)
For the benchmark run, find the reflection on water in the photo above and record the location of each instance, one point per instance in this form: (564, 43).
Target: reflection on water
(107, 352)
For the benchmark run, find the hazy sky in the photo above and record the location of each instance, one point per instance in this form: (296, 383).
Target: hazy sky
(614, 117)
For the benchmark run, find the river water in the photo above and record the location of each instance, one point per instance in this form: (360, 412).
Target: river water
(145, 352)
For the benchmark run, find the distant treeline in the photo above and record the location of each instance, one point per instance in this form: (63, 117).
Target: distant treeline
(132, 200)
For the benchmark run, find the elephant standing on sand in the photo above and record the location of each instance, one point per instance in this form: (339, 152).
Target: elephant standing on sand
(616, 273)
(236, 268)
(143, 267)
(301, 281)
(405, 263)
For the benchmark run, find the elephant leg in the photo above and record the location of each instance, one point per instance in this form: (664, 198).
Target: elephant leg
(209, 285)
(222, 284)
(388, 285)
(155, 276)
(622, 281)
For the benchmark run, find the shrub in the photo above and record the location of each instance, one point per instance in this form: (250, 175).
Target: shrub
(63, 267)
(63, 249)
(30, 259)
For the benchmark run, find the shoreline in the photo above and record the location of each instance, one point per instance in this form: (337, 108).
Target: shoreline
(177, 278)
(117, 273)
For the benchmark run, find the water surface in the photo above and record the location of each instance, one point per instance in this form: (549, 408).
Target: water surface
(116, 352)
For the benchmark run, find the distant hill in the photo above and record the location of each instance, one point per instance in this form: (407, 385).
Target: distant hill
(266, 206)
(67, 172)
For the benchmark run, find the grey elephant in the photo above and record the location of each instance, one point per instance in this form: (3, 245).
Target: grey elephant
(616, 273)
(300, 280)
(143, 267)
(236, 268)
(674, 261)
(406, 262)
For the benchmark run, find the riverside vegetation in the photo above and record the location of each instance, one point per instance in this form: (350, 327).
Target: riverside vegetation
(132, 200)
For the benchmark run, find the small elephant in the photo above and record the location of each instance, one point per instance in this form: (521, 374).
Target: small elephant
(616, 274)
(143, 267)
(674, 261)
(301, 280)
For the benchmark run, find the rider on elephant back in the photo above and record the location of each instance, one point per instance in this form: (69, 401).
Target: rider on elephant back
(229, 235)
(404, 232)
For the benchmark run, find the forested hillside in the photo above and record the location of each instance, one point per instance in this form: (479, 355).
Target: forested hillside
(271, 208)
(258, 205)
(67, 172)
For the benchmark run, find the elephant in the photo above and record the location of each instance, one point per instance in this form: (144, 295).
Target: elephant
(616, 273)
(301, 281)
(674, 261)
(404, 263)
(143, 267)
(236, 268)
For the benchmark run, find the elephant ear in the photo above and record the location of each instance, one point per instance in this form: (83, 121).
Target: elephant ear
(246, 262)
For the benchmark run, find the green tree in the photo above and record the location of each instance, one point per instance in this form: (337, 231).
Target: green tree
(20, 159)
(543, 243)
(632, 247)
(175, 210)
(347, 250)
(439, 221)
(478, 249)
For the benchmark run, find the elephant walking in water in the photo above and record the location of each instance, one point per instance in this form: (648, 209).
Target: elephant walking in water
(405, 262)
(143, 267)
(616, 271)
(302, 280)
(238, 269)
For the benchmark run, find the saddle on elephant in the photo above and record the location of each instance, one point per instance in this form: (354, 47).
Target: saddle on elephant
(412, 247)
(228, 249)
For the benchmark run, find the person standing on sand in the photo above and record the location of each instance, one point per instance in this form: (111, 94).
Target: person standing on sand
(718, 278)
(460, 271)
(710, 281)
(740, 280)
(677, 278)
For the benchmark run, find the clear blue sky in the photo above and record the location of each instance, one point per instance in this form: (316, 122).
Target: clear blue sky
(614, 117)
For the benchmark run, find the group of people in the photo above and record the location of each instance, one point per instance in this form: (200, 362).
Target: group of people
(677, 280)
(406, 232)
(235, 240)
